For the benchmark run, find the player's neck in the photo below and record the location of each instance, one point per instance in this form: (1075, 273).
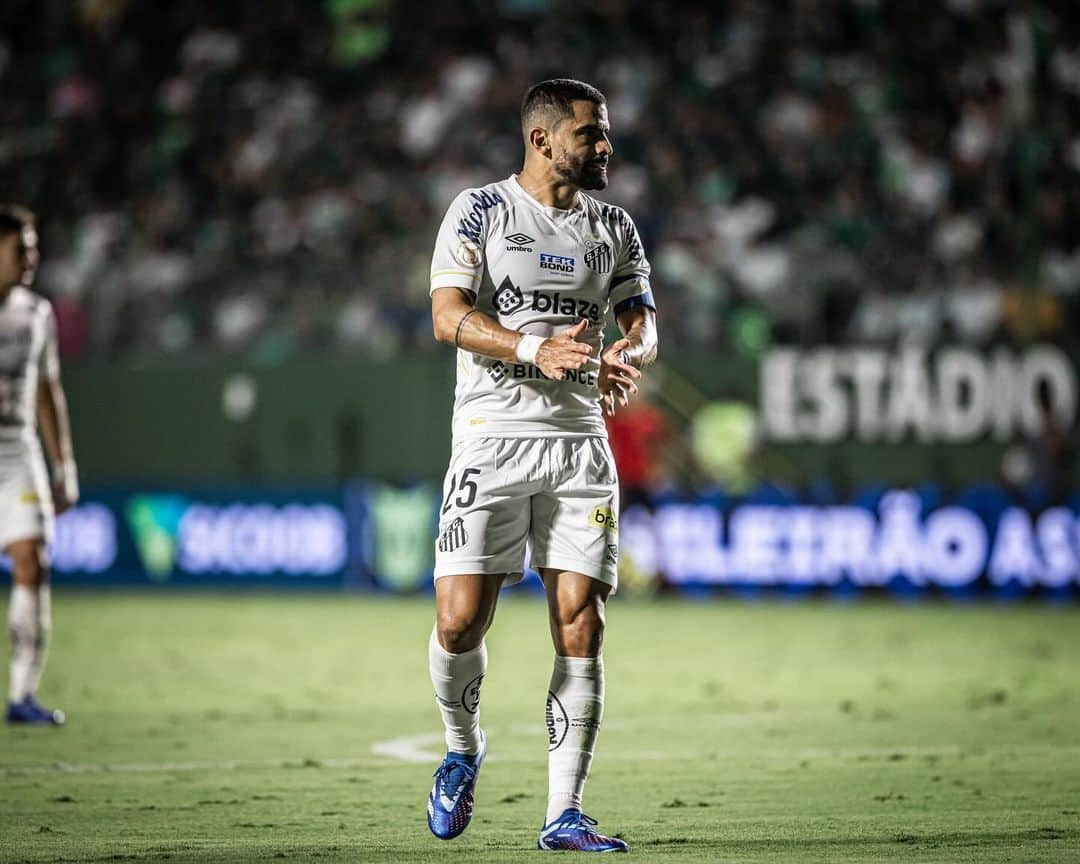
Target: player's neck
(551, 191)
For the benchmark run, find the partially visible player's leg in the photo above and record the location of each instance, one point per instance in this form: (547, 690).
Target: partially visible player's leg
(575, 702)
(457, 656)
(575, 545)
(457, 662)
(29, 623)
(575, 708)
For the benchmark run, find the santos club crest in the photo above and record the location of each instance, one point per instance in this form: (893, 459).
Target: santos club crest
(598, 257)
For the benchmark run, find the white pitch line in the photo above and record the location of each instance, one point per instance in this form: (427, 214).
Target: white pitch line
(410, 748)
(183, 767)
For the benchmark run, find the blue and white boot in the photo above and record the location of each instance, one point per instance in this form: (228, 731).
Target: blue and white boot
(450, 804)
(573, 831)
(32, 713)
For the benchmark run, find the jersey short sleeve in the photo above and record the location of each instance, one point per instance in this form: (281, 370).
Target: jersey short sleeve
(49, 361)
(630, 280)
(458, 261)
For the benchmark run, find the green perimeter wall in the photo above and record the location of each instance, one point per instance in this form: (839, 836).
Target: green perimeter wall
(319, 420)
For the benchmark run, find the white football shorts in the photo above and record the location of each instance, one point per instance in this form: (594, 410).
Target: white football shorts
(561, 495)
(26, 507)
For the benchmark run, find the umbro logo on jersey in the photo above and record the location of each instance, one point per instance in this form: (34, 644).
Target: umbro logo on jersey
(521, 242)
(598, 257)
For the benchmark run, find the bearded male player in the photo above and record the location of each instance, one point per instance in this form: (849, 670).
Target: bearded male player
(525, 272)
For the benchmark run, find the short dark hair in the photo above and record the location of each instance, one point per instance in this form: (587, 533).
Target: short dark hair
(15, 218)
(553, 100)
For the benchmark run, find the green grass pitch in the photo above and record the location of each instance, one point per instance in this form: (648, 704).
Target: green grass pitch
(257, 728)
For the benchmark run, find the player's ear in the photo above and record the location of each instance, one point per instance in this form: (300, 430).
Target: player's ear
(540, 140)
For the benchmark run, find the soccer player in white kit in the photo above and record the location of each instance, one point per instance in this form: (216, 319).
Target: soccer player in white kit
(31, 398)
(524, 275)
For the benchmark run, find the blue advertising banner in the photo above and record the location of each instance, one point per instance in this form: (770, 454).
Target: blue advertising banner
(373, 535)
(188, 538)
(898, 539)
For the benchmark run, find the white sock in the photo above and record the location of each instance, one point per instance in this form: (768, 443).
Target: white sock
(41, 644)
(575, 706)
(23, 626)
(457, 679)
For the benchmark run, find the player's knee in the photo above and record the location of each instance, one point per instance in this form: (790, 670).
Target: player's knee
(28, 564)
(459, 632)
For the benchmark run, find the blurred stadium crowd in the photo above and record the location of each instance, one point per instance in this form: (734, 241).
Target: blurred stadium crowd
(266, 177)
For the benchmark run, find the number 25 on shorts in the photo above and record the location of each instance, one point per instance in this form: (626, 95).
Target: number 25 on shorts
(464, 486)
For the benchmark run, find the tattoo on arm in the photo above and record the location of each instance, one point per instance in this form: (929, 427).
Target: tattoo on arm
(461, 323)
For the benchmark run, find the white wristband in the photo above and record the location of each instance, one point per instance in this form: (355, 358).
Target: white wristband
(66, 475)
(527, 348)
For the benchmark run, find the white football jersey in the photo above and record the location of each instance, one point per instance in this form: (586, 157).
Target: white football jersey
(28, 350)
(537, 270)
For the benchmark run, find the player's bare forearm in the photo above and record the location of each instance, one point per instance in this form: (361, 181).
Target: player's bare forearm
(457, 322)
(55, 428)
(621, 361)
(638, 326)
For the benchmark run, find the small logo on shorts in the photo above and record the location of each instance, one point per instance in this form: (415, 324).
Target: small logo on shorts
(470, 696)
(613, 553)
(556, 721)
(453, 536)
(603, 517)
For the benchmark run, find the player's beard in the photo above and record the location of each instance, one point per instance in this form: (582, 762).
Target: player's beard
(582, 173)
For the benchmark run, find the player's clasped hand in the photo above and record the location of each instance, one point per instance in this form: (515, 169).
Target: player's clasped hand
(616, 379)
(562, 352)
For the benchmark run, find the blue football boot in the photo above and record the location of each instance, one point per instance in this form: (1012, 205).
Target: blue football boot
(573, 832)
(450, 804)
(32, 713)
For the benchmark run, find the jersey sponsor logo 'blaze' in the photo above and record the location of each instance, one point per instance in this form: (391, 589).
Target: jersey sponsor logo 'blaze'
(569, 306)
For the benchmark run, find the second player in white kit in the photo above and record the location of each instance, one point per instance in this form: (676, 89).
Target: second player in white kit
(525, 274)
(31, 400)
